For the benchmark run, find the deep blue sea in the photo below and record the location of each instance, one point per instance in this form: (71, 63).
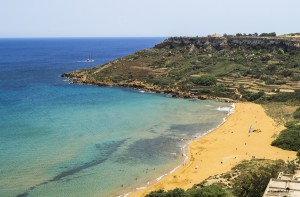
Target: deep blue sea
(61, 139)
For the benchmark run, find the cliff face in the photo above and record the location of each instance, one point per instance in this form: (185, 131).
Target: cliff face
(286, 44)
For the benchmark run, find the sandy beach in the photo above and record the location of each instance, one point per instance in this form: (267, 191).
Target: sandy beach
(218, 151)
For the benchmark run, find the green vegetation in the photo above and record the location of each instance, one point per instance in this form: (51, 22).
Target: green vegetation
(244, 34)
(289, 139)
(273, 34)
(250, 96)
(254, 182)
(296, 114)
(247, 179)
(292, 97)
(261, 68)
(215, 66)
(204, 80)
(207, 191)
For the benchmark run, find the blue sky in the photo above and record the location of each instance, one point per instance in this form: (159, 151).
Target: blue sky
(144, 18)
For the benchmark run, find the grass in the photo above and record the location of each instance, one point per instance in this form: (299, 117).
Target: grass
(280, 112)
(258, 68)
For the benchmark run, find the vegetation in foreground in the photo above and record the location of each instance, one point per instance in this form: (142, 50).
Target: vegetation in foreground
(247, 179)
(289, 139)
(215, 190)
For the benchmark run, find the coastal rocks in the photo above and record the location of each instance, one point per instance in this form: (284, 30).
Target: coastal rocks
(78, 77)
(74, 77)
(220, 43)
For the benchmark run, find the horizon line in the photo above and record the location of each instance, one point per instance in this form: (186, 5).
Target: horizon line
(71, 37)
(90, 37)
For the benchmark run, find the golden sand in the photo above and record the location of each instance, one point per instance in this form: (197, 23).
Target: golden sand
(220, 150)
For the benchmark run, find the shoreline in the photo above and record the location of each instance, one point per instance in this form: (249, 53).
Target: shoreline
(185, 153)
(217, 151)
(221, 156)
(142, 88)
(78, 78)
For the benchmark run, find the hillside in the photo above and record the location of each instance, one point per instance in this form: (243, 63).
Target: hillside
(239, 68)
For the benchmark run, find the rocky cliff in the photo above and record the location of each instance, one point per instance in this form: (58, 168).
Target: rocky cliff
(287, 44)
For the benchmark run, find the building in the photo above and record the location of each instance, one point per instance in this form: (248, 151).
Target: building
(284, 186)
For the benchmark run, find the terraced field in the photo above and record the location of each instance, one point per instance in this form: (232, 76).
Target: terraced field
(239, 68)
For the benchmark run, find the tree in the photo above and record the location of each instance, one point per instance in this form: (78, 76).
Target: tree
(243, 186)
(158, 193)
(212, 191)
(178, 192)
(272, 34)
(254, 183)
(249, 96)
(207, 191)
(288, 139)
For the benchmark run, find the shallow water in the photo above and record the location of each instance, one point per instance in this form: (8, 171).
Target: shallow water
(61, 139)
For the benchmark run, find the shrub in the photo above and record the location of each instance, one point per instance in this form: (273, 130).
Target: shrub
(210, 191)
(272, 34)
(295, 77)
(163, 82)
(220, 88)
(296, 114)
(286, 97)
(279, 82)
(158, 193)
(270, 81)
(289, 139)
(175, 193)
(204, 91)
(287, 73)
(291, 124)
(249, 96)
(207, 191)
(204, 80)
(171, 193)
(254, 183)
(291, 167)
(271, 68)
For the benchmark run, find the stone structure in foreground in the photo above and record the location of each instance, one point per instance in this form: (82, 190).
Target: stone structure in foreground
(284, 186)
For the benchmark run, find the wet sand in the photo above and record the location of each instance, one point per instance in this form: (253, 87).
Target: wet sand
(220, 150)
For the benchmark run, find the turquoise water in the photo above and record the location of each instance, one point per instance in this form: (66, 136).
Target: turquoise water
(61, 139)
